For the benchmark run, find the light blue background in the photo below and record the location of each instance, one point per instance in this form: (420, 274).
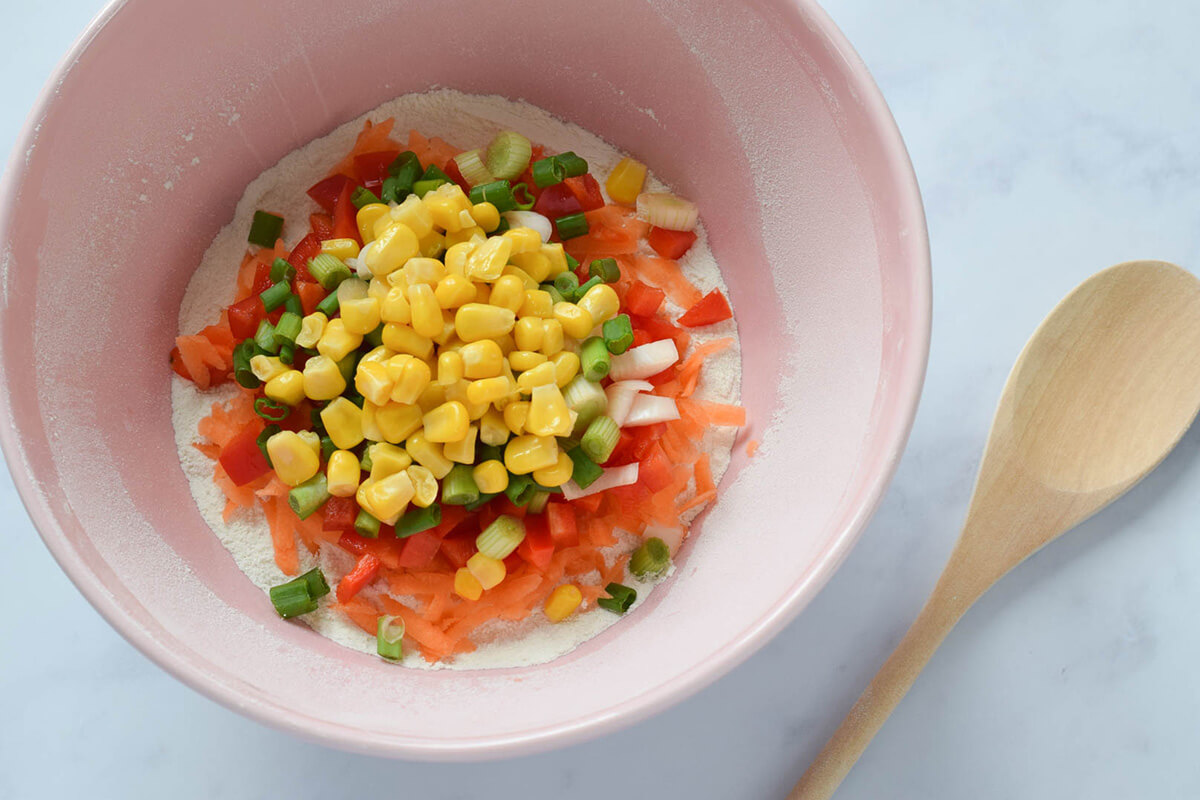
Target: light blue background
(1051, 139)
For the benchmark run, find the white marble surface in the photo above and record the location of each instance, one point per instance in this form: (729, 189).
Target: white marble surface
(1051, 139)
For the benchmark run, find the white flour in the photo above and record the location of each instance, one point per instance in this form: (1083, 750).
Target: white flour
(464, 121)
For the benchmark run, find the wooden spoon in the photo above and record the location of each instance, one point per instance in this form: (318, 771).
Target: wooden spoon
(1104, 389)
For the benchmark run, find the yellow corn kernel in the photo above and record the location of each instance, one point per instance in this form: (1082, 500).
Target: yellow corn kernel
(391, 249)
(361, 316)
(576, 322)
(601, 302)
(486, 262)
(456, 257)
(370, 425)
(486, 216)
(476, 321)
(430, 455)
(548, 413)
(413, 213)
(562, 602)
(311, 328)
(447, 423)
(403, 339)
(483, 292)
(515, 416)
(552, 337)
(397, 421)
(527, 283)
(378, 355)
(490, 476)
(449, 368)
(267, 367)
(293, 460)
(522, 240)
(453, 291)
(388, 497)
(342, 473)
(487, 570)
(409, 375)
(527, 333)
(373, 382)
(388, 459)
(557, 475)
(286, 387)
(336, 342)
(433, 396)
(343, 422)
(506, 343)
(378, 288)
(421, 270)
(394, 307)
(566, 367)
(472, 234)
(521, 360)
(322, 379)
(426, 313)
(625, 182)
(433, 245)
(366, 218)
(445, 204)
(458, 391)
(463, 451)
(541, 375)
(447, 334)
(425, 486)
(493, 429)
(508, 292)
(537, 303)
(340, 248)
(313, 441)
(526, 453)
(536, 264)
(466, 585)
(481, 359)
(488, 390)
(558, 258)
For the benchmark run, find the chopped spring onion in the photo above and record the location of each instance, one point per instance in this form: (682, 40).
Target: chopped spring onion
(265, 229)
(566, 283)
(364, 461)
(644, 361)
(530, 219)
(434, 173)
(600, 438)
(271, 410)
(470, 164)
(241, 365)
(537, 503)
(618, 334)
(264, 337)
(584, 288)
(389, 637)
(520, 489)
(572, 262)
(374, 338)
(483, 500)
(651, 559)
(620, 599)
(507, 155)
(318, 587)
(287, 353)
(673, 537)
(488, 452)
(586, 399)
(363, 197)
(620, 396)
(571, 225)
(547, 172)
(458, 487)
(650, 409)
(611, 479)
(329, 270)
(425, 186)
(499, 539)
(266, 434)
(288, 328)
(282, 270)
(329, 306)
(605, 269)
(328, 448)
(348, 366)
(572, 165)
(521, 190)
(594, 360)
(293, 305)
(406, 167)
(498, 193)
(393, 190)
(291, 599)
(586, 471)
(665, 210)
(275, 296)
(309, 496)
(555, 295)
(366, 525)
(416, 520)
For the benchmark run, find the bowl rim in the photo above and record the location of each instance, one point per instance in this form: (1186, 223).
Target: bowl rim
(912, 369)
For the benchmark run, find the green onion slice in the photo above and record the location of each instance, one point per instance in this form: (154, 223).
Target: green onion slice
(600, 439)
(651, 559)
(571, 164)
(329, 270)
(363, 197)
(366, 525)
(508, 155)
(547, 172)
(618, 334)
(498, 193)
(501, 538)
(389, 637)
(271, 410)
(594, 360)
(519, 191)
(620, 599)
(416, 520)
(571, 225)
(265, 229)
(605, 269)
(458, 487)
(309, 496)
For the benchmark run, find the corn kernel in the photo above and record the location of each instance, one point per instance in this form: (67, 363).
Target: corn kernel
(336, 342)
(422, 270)
(343, 422)
(448, 333)
(389, 496)
(394, 307)
(566, 367)
(463, 451)
(286, 387)
(486, 216)
(343, 473)
(403, 339)
(562, 602)
(522, 240)
(553, 339)
(558, 259)
(557, 475)
(472, 233)
(548, 412)
(526, 453)
(466, 585)
(449, 368)
(311, 328)
(447, 423)
(313, 441)
(487, 570)
(506, 343)
(527, 283)
(490, 476)
(576, 322)
(322, 379)
(515, 416)
(368, 422)
(430, 455)
(413, 213)
(540, 375)
(488, 390)
(600, 302)
(397, 421)
(424, 484)
(267, 367)
(426, 314)
(372, 381)
(537, 303)
(625, 182)
(444, 204)
(378, 288)
(486, 262)
(476, 321)
(396, 245)
(521, 360)
(366, 218)
(340, 248)
(378, 355)
(293, 460)
(483, 292)
(508, 292)
(458, 391)
(536, 264)
(456, 257)
(481, 359)
(527, 333)
(409, 375)
(361, 316)
(492, 428)
(453, 291)
(388, 459)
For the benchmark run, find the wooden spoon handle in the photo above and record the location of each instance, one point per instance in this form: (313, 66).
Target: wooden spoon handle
(937, 618)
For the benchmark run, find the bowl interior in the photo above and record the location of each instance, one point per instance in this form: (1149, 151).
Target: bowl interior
(756, 110)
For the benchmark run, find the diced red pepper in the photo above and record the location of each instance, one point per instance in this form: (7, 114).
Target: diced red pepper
(420, 548)
(452, 517)
(244, 317)
(537, 548)
(458, 548)
(456, 175)
(643, 299)
(241, 458)
(589, 504)
(306, 248)
(326, 192)
(632, 496)
(345, 216)
(503, 505)
(363, 573)
(262, 280)
(623, 452)
(322, 226)
(557, 201)
(586, 191)
(487, 515)
(372, 168)
(713, 307)
(656, 328)
(563, 528)
(300, 418)
(310, 295)
(670, 244)
(386, 548)
(339, 514)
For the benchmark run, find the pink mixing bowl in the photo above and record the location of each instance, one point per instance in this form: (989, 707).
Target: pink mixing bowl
(164, 110)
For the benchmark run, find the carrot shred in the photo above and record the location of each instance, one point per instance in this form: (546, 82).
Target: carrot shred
(665, 274)
(751, 447)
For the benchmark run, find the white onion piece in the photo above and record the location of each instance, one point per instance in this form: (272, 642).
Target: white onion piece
(650, 409)
(672, 537)
(359, 265)
(529, 219)
(642, 362)
(620, 398)
(665, 210)
(611, 479)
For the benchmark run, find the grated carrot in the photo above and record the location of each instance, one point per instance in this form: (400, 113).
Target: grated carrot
(751, 447)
